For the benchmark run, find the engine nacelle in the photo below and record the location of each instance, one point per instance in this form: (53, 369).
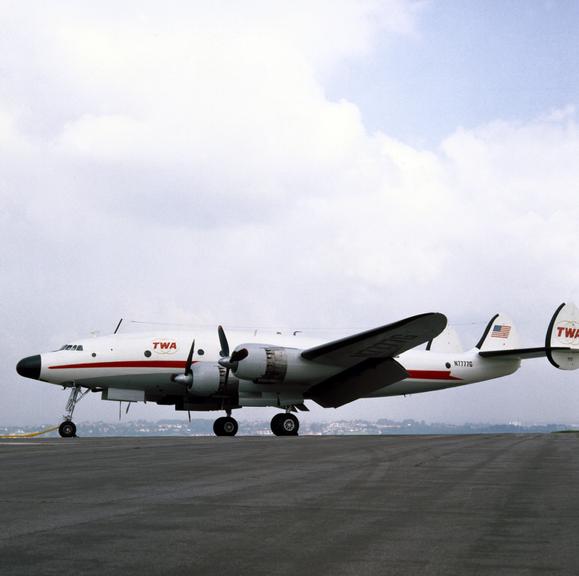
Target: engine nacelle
(267, 364)
(262, 363)
(207, 379)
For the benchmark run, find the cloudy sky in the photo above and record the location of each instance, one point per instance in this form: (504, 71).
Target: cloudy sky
(328, 164)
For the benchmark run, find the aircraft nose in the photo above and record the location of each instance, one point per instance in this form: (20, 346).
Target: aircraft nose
(29, 367)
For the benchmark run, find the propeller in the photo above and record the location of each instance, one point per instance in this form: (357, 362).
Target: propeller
(187, 377)
(232, 361)
(228, 362)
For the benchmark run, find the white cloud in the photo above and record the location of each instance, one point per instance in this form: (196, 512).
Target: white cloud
(185, 163)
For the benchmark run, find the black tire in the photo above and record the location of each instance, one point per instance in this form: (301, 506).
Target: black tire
(276, 425)
(218, 426)
(225, 426)
(285, 425)
(67, 429)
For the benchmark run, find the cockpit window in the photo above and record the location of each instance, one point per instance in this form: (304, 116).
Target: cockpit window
(77, 347)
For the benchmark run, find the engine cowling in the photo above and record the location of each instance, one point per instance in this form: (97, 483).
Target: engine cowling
(263, 363)
(207, 379)
(269, 364)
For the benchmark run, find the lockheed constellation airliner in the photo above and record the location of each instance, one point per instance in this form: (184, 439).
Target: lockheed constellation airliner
(200, 372)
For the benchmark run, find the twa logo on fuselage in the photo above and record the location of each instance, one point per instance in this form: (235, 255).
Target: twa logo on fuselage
(567, 332)
(164, 346)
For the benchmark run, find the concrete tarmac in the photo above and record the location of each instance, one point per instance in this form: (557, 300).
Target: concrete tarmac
(388, 505)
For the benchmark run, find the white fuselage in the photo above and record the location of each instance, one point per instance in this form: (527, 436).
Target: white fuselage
(148, 362)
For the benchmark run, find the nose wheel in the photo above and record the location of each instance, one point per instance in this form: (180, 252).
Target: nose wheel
(67, 429)
(285, 425)
(225, 426)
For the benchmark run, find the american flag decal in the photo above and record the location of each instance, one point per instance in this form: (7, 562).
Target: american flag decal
(500, 331)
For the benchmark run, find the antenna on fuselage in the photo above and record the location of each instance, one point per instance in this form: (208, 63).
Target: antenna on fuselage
(118, 326)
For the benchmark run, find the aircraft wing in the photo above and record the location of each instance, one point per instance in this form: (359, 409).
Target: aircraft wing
(357, 381)
(382, 342)
(368, 358)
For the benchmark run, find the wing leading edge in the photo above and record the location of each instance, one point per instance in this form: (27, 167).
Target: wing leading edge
(382, 342)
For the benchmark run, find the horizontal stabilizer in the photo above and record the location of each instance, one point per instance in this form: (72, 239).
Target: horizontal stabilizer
(521, 353)
(561, 342)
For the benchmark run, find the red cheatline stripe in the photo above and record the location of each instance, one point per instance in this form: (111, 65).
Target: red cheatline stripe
(180, 364)
(431, 375)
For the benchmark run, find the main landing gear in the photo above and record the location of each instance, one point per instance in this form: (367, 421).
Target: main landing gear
(225, 426)
(285, 424)
(68, 428)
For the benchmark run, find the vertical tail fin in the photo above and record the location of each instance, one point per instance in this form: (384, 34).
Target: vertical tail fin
(563, 331)
(446, 341)
(500, 334)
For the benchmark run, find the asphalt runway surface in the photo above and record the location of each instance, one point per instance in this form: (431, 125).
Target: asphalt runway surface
(468, 505)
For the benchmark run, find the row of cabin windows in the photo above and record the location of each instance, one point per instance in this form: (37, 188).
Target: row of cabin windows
(77, 347)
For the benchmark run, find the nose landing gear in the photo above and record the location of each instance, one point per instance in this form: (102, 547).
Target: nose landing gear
(285, 425)
(68, 428)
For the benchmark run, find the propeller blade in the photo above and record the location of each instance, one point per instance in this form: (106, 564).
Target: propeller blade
(224, 352)
(188, 369)
(239, 355)
(232, 361)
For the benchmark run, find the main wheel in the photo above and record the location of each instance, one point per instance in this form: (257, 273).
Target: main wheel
(230, 426)
(225, 426)
(67, 429)
(285, 425)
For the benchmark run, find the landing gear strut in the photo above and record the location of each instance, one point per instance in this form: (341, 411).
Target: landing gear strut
(68, 428)
(285, 425)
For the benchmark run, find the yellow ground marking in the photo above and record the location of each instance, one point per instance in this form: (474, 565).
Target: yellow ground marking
(30, 434)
